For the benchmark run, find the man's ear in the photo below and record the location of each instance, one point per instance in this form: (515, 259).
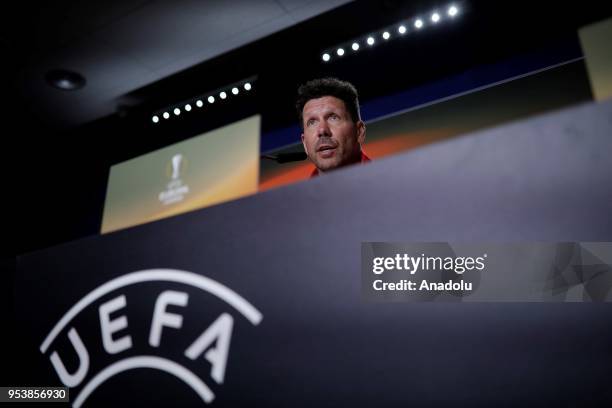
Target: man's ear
(361, 132)
(304, 144)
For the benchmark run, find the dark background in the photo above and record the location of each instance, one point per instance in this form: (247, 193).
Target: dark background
(57, 174)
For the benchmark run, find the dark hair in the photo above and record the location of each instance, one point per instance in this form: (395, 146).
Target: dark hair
(318, 88)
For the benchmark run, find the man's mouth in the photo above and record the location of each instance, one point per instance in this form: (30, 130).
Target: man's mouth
(326, 151)
(325, 147)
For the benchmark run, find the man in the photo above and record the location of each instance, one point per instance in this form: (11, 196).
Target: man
(332, 129)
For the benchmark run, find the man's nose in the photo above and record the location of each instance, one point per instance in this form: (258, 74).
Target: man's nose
(323, 129)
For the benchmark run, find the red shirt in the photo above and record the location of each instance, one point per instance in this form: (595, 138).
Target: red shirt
(364, 159)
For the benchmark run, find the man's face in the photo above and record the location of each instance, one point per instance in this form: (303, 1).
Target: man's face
(331, 139)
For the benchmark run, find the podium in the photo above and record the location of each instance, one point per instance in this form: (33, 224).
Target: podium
(257, 302)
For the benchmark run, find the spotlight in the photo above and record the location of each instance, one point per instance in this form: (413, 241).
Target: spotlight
(211, 99)
(370, 40)
(235, 91)
(386, 35)
(340, 52)
(177, 111)
(326, 57)
(247, 86)
(452, 11)
(166, 115)
(435, 17)
(65, 80)
(223, 95)
(155, 119)
(401, 29)
(188, 108)
(199, 103)
(418, 23)
(355, 46)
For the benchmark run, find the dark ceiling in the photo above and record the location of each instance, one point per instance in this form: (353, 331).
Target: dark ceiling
(120, 46)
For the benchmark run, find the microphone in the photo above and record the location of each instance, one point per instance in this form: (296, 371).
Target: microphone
(286, 157)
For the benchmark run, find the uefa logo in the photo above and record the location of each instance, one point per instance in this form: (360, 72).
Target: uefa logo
(202, 359)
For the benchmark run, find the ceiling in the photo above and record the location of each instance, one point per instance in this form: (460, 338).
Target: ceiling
(121, 46)
(137, 52)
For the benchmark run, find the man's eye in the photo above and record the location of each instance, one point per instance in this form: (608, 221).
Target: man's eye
(310, 123)
(334, 117)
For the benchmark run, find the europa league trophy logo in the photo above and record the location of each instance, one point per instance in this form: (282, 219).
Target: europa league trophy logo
(176, 165)
(175, 189)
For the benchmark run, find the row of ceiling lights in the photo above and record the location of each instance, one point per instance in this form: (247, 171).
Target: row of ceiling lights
(386, 34)
(223, 93)
(402, 28)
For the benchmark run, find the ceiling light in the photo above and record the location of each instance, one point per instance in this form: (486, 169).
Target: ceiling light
(65, 80)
